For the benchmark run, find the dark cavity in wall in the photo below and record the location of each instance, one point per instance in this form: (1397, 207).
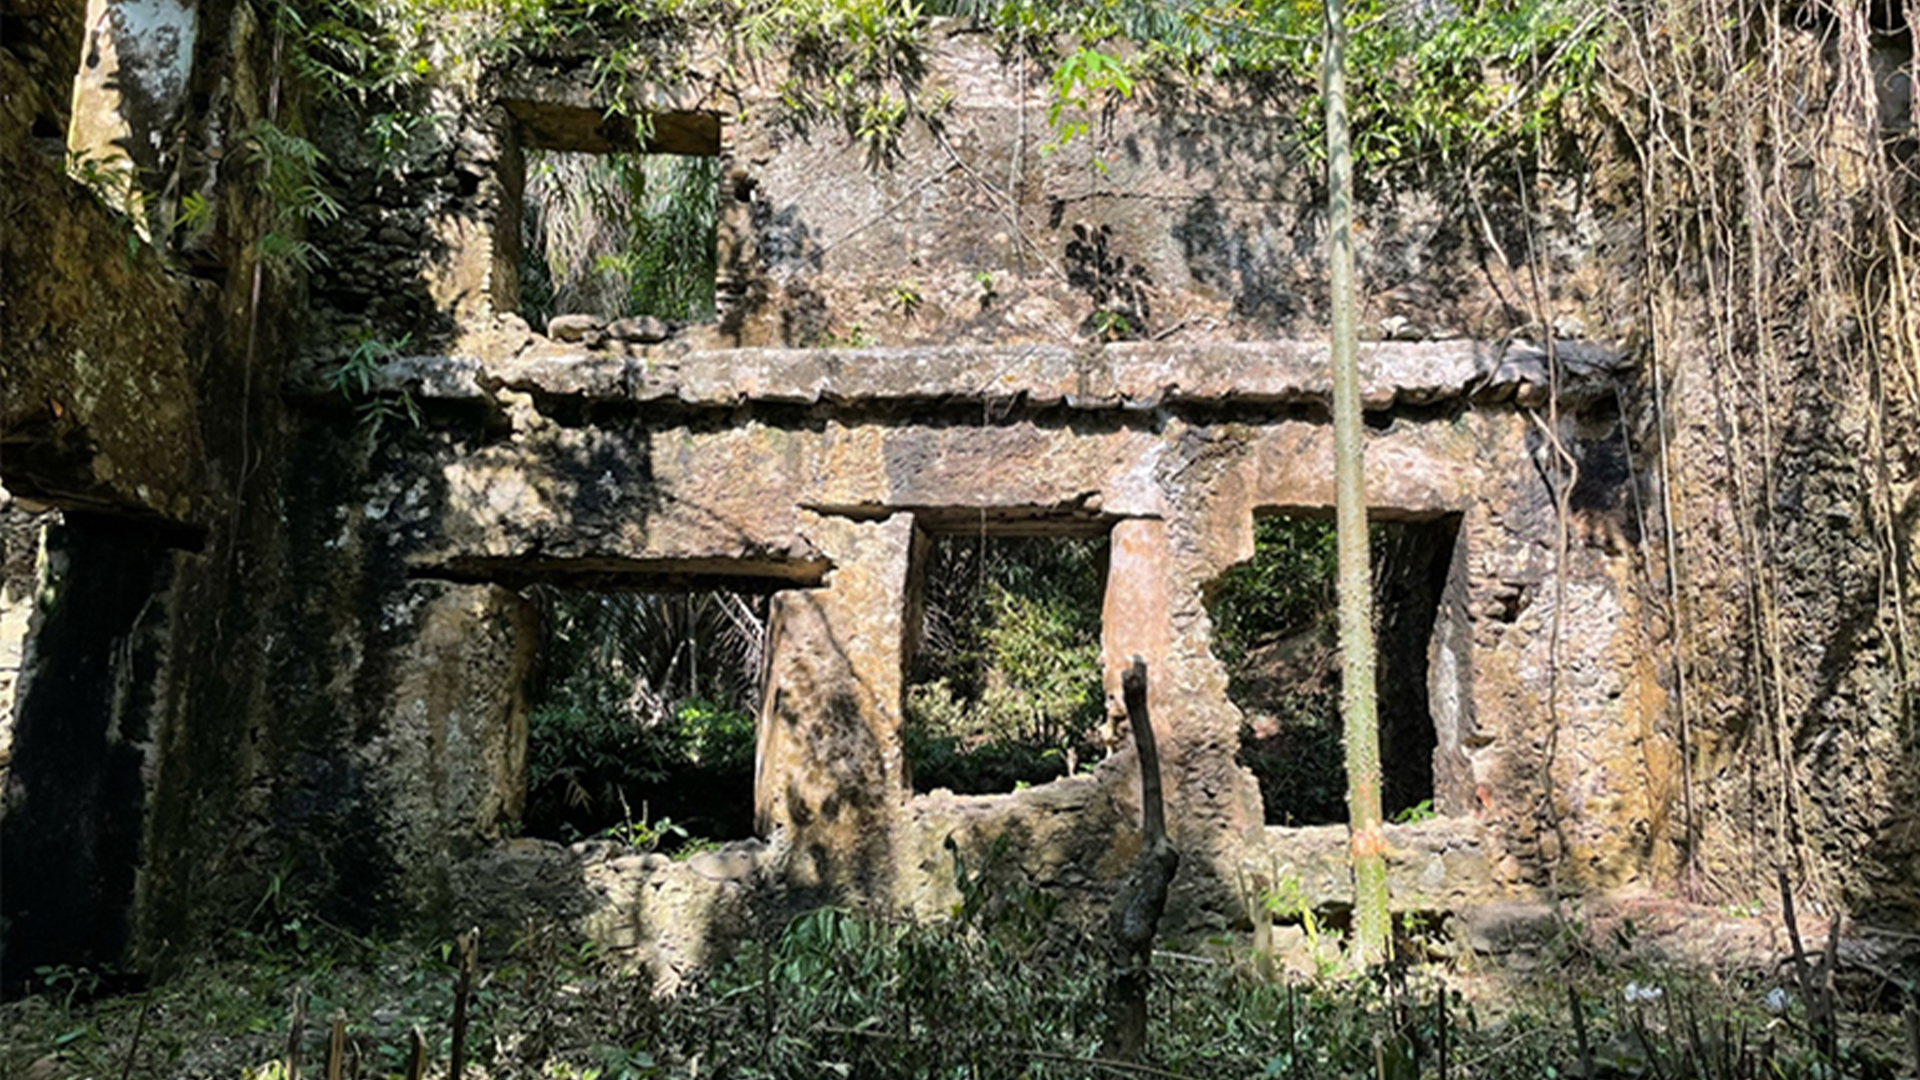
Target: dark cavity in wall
(75, 796)
(1003, 670)
(618, 235)
(642, 725)
(1275, 628)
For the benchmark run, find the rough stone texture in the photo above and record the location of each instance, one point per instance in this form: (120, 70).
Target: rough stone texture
(1134, 616)
(141, 401)
(1078, 834)
(846, 477)
(1803, 748)
(1440, 865)
(830, 773)
(1090, 378)
(44, 39)
(129, 97)
(1505, 928)
(670, 917)
(20, 533)
(100, 354)
(450, 764)
(336, 690)
(1189, 219)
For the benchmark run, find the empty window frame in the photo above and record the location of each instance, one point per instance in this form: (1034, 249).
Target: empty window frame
(642, 727)
(1003, 686)
(1274, 628)
(618, 235)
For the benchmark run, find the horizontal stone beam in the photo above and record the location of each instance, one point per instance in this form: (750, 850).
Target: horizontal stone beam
(588, 130)
(608, 573)
(1117, 377)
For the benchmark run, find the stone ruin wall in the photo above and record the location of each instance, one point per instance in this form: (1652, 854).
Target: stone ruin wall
(336, 652)
(1123, 438)
(765, 448)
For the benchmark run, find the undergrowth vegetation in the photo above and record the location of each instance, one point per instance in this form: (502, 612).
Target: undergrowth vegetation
(1004, 987)
(642, 725)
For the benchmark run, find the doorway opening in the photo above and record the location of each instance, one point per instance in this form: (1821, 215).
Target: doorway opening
(1003, 686)
(1274, 629)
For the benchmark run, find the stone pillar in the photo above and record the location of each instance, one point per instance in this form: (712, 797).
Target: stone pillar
(1136, 620)
(471, 261)
(20, 533)
(1450, 689)
(830, 773)
(128, 96)
(453, 754)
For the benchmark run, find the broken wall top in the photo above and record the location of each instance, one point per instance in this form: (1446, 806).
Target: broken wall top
(1189, 213)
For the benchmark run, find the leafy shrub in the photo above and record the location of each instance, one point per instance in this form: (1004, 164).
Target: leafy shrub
(590, 771)
(1272, 618)
(1301, 762)
(619, 234)
(1006, 687)
(1287, 586)
(644, 708)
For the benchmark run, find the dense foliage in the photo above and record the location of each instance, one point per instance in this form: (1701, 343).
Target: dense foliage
(1467, 85)
(1286, 588)
(1005, 689)
(644, 711)
(1460, 85)
(1273, 629)
(619, 234)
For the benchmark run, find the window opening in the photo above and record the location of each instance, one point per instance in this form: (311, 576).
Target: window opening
(642, 718)
(1274, 620)
(617, 235)
(1003, 680)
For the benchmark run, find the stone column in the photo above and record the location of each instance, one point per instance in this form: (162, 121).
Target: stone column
(1136, 620)
(128, 95)
(830, 774)
(452, 758)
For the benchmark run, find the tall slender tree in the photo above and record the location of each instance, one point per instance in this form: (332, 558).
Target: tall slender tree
(1359, 705)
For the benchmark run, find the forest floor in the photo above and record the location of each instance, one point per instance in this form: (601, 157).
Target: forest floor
(1641, 989)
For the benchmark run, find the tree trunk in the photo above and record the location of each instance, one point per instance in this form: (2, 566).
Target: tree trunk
(1359, 707)
(1136, 912)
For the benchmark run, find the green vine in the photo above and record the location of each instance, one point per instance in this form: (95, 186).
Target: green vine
(286, 171)
(356, 376)
(1429, 85)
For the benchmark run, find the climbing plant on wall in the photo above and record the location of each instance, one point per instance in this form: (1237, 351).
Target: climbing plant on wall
(1430, 84)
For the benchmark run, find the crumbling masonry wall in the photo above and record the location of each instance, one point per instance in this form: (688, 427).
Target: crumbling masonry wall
(330, 654)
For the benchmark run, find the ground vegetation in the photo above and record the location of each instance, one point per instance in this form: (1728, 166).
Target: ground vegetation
(1000, 988)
